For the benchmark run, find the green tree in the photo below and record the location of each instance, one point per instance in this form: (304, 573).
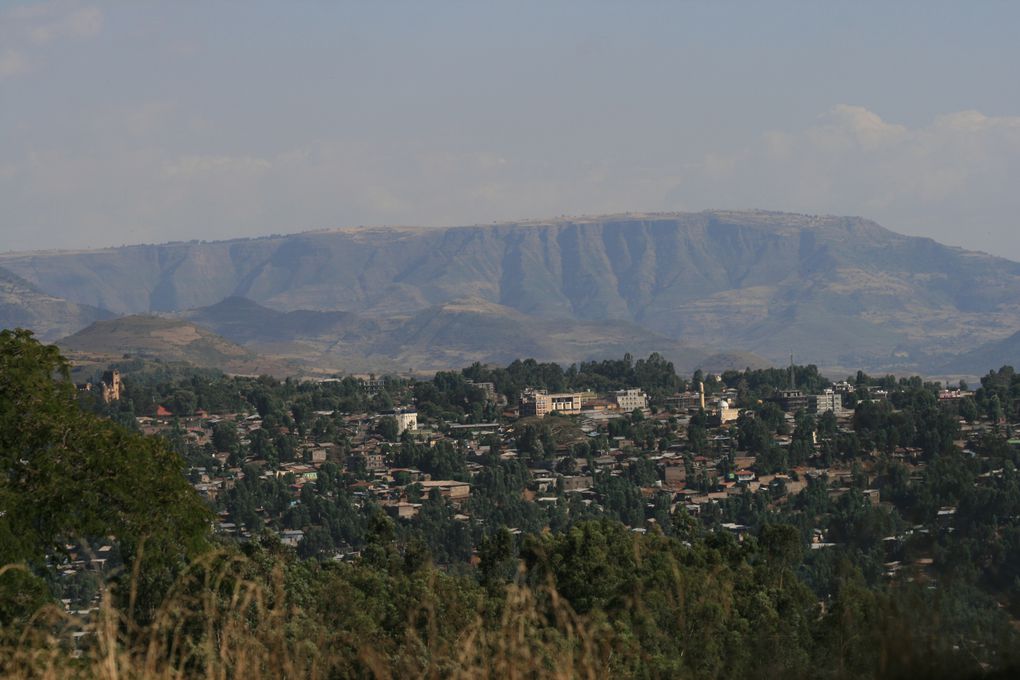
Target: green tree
(388, 428)
(224, 436)
(70, 474)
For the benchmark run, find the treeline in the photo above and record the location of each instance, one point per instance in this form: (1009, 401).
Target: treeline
(753, 385)
(655, 375)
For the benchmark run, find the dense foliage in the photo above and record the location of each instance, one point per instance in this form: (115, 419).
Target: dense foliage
(71, 476)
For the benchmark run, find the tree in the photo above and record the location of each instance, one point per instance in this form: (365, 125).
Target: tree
(697, 436)
(802, 447)
(783, 548)
(968, 409)
(70, 474)
(498, 558)
(388, 428)
(567, 465)
(224, 436)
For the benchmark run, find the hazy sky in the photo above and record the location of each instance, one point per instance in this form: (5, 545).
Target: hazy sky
(128, 122)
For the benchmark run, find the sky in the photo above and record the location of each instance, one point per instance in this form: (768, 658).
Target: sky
(146, 122)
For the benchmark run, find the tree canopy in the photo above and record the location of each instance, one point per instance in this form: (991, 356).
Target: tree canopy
(69, 475)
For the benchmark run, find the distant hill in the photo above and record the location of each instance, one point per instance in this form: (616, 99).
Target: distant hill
(464, 331)
(244, 320)
(991, 356)
(439, 337)
(23, 305)
(171, 340)
(837, 291)
(315, 339)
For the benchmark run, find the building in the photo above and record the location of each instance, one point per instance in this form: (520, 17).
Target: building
(675, 476)
(372, 384)
(828, 400)
(475, 428)
(407, 420)
(291, 537)
(540, 403)
(727, 413)
(448, 488)
(402, 509)
(109, 386)
(628, 400)
(689, 401)
(791, 401)
(578, 482)
(371, 461)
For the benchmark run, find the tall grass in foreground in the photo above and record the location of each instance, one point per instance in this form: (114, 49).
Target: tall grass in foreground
(217, 624)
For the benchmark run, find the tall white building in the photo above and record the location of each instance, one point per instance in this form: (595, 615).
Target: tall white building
(407, 419)
(828, 400)
(628, 400)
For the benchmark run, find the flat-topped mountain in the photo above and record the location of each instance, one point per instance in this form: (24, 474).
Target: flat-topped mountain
(834, 290)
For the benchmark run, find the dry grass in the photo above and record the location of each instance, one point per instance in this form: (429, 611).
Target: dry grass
(215, 624)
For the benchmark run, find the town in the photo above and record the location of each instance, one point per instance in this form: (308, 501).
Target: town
(535, 447)
(777, 507)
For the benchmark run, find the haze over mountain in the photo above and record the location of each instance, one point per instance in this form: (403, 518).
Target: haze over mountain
(24, 305)
(990, 356)
(443, 336)
(838, 291)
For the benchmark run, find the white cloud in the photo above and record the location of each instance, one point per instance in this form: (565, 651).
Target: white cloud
(864, 127)
(949, 179)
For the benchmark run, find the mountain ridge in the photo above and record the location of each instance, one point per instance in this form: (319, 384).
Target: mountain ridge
(842, 290)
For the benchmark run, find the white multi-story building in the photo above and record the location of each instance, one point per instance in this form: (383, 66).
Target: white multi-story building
(628, 400)
(539, 403)
(828, 400)
(407, 420)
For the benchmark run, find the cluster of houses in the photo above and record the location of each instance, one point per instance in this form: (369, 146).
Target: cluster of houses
(691, 481)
